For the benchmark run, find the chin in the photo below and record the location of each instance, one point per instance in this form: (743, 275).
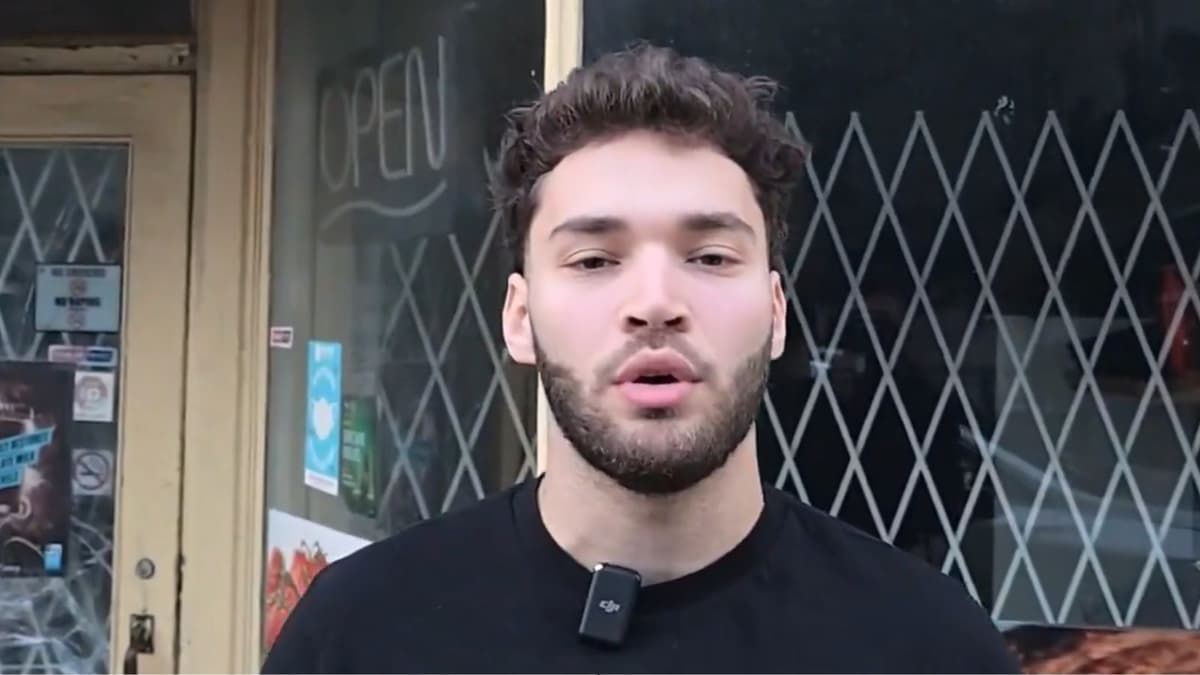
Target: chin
(657, 414)
(649, 433)
(675, 417)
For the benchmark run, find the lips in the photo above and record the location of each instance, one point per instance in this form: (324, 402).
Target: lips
(661, 368)
(656, 380)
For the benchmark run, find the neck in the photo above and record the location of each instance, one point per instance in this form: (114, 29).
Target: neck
(663, 537)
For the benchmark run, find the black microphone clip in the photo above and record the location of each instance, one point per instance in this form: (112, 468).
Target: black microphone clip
(610, 602)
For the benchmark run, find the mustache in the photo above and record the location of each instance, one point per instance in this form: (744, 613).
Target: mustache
(653, 339)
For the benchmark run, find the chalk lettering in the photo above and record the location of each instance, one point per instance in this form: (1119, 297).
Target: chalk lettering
(365, 76)
(335, 110)
(370, 122)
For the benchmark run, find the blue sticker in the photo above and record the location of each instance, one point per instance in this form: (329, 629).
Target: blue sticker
(18, 452)
(53, 557)
(323, 417)
(100, 357)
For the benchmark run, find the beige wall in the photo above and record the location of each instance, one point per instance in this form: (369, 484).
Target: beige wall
(223, 442)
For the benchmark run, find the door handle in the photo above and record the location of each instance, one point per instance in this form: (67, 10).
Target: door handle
(141, 640)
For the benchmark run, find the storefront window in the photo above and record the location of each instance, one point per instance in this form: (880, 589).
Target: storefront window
(992, 355)
(391, 398)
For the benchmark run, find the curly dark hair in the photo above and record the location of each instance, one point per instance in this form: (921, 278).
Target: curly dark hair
(649, 88)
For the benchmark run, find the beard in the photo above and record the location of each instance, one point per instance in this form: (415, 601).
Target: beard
(665, 455)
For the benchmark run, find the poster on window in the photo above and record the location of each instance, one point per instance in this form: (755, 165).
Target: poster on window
(35, 468)
(323, 417)
(297, 549)
(360, 462)
(1072, 649)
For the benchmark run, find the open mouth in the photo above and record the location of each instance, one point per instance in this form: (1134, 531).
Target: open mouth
(656, 379)
(656, 390)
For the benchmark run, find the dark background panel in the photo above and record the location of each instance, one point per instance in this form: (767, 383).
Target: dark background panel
(82, 22)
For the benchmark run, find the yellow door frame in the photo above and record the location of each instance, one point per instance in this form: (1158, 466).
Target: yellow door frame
(224, 435)
(151, 116)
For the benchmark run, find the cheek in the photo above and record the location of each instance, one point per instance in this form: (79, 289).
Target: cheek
(568, 323)
(735, 323)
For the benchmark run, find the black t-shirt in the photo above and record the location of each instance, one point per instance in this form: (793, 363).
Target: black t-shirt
(486, 589)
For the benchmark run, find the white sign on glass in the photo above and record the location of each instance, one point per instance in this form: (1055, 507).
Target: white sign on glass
(78, 298)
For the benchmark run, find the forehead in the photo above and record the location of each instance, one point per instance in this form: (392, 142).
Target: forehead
(643, 178)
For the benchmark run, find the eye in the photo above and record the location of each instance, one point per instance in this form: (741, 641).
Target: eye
(712, 259)
(592, 263)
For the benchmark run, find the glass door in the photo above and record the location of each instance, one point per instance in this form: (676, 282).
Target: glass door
(94, 202)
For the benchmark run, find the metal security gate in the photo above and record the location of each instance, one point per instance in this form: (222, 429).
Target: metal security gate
(1046, 498)
(442, 388)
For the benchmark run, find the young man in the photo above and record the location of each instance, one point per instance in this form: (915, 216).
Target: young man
(645, 201)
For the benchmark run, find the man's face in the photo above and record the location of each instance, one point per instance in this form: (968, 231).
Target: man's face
(648, 307)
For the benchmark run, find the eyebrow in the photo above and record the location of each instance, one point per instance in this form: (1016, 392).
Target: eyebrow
(692, 222)
(716, 221)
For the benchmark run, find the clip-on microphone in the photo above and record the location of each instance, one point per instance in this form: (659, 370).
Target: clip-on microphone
(610, 602)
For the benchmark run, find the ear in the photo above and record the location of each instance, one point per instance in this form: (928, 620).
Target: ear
(518, 332)
(778, 316)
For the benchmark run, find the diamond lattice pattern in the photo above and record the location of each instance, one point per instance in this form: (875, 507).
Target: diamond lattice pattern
(982, 370)
(456, 411)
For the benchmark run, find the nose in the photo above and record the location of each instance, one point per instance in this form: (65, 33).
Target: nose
(655, 302)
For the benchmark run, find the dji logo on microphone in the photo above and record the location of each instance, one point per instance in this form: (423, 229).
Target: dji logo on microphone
(611, 598)
(610, 606)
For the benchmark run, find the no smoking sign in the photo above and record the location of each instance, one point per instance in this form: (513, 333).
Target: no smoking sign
(92, 472)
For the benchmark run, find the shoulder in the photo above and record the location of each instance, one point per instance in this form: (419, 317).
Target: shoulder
(904, 596)
(423, 563)
(844, 546)
(428, 550)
